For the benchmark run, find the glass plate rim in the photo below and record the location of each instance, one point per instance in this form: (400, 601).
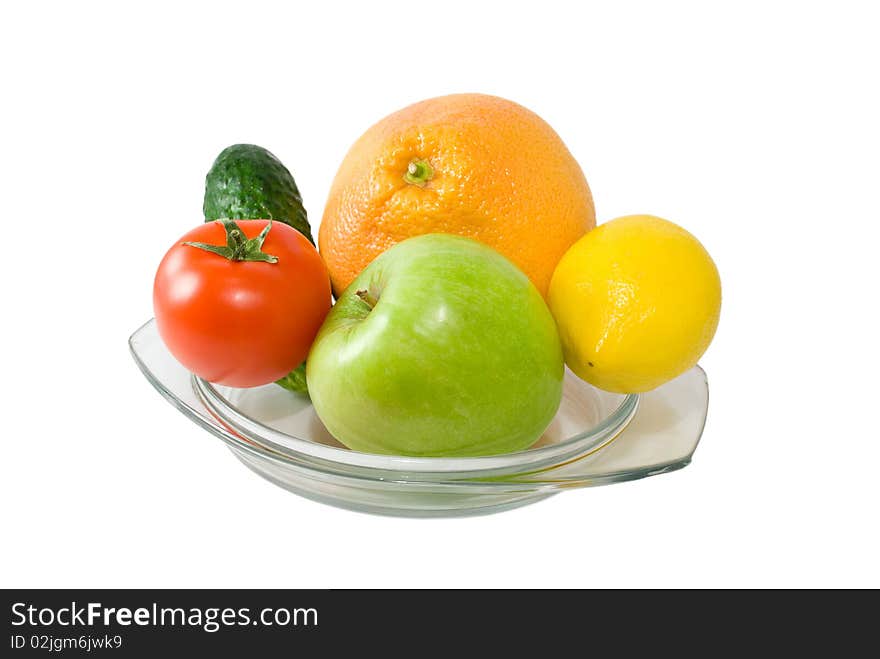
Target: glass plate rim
(580, 444)
(535, 481)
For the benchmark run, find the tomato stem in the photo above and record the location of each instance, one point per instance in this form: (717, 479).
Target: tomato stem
(238, 247)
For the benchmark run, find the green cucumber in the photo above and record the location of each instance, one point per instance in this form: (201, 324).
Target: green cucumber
(247, 182)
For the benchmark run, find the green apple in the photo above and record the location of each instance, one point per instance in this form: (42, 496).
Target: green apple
(440, 347)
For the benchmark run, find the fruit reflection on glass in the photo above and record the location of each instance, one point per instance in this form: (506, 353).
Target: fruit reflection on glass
(440, 347)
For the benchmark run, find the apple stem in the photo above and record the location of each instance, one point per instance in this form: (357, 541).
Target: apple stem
(368, 299)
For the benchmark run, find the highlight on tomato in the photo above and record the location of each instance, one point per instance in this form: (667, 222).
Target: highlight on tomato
(239, 302)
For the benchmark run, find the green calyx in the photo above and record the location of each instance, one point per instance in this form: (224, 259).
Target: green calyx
(419, 172)
(238, 247)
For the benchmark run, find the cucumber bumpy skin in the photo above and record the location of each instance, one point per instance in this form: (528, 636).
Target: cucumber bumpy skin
(295, 381)
(247, 182)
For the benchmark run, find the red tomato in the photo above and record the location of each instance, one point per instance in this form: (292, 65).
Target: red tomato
(241, 323)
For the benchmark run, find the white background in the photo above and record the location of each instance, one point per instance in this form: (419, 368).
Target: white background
(755, 126)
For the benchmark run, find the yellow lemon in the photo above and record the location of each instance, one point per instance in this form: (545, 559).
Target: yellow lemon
(637, 301)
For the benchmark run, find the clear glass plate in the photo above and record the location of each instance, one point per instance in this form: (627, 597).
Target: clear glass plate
(596, 438)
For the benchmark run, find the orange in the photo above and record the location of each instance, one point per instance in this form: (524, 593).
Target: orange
(467, 164)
